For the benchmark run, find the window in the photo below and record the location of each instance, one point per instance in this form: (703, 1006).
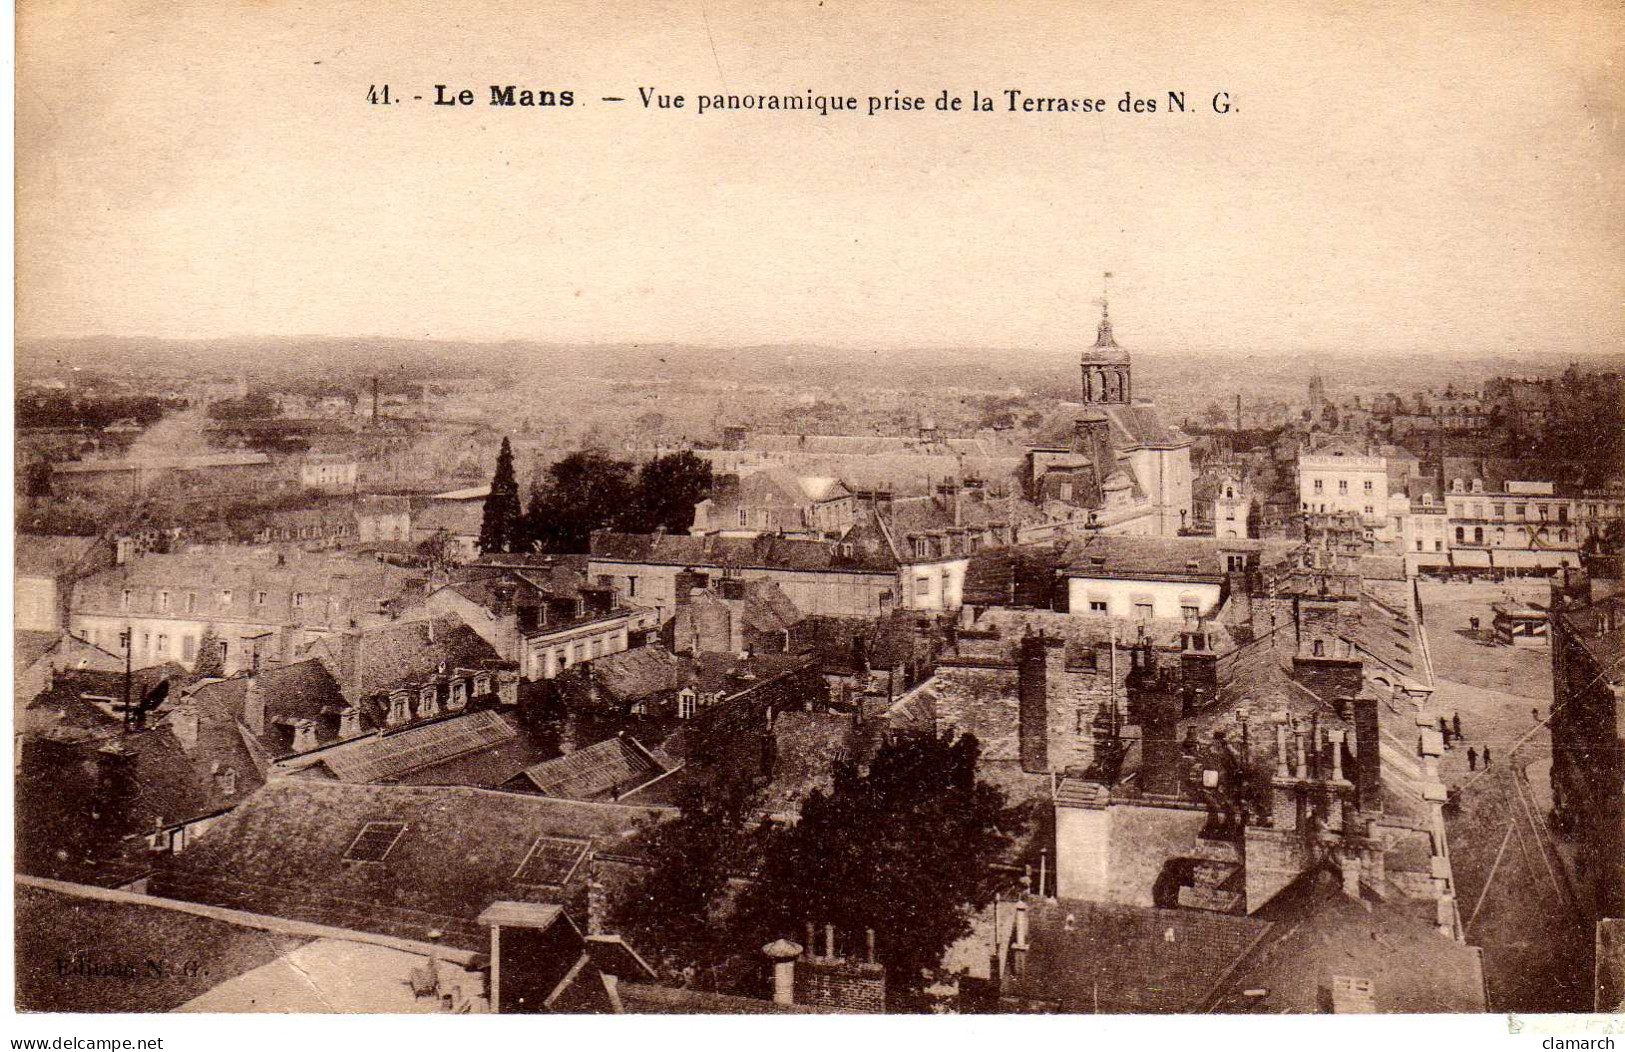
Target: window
(299, 599)
(1142, 611)
(685, 704)
(1368, 486)
(259, 598)
(1342, 485)
(1562, 513)
(1461, 535)
(922, 586)
(124, 601)
(1518, 510)
(551, 862)
(631, 587)
(1189, 610)
(1318, 648)
(1369, 510)
(374, 842)
(225, 596)
(191, 602)
(163, 643)
(1478, 535)
(188, 647)
(1438, 546)
(598, 647)
(1499, 510)
(1320, 486)
(163, 600)
(561, 658)
(1098, 606)
(744, 517)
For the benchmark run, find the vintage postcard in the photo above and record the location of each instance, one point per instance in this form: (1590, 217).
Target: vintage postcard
(1075, 507)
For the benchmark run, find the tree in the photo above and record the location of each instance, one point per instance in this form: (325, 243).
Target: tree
(905, 848)
(678, 912)
(501, 529)
(210, 662)
(584, 491)
(668, 487)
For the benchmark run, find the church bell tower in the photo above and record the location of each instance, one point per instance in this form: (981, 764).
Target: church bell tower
(1106, 369)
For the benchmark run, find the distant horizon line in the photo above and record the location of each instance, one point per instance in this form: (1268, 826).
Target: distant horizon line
(1081, 342)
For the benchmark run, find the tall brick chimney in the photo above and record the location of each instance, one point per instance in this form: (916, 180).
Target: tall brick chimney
(1367, 755)
(1032, 688)
(1198, 668)
(1163, 758)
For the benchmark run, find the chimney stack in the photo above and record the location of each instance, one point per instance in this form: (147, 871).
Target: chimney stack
(783, 954)
(350, 722)
(183, 725)
(304, 735)
(1367, 757)
(254, 703)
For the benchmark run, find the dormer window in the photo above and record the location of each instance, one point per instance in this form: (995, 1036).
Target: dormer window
(426, 702)
(685, 703)
(482, 683)
(459, 694)
(1478, 485)
(399, 707)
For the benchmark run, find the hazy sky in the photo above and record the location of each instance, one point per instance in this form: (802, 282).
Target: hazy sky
(1416, 176)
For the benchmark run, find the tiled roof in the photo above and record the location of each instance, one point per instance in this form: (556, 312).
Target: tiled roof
(282, 852)
(612, 767)
(302, 690)
(1093, 957)
(388, 757)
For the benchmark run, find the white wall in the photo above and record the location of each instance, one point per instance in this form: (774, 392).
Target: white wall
(1166, 597)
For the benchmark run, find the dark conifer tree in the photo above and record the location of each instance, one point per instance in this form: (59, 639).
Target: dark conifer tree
(500, 530)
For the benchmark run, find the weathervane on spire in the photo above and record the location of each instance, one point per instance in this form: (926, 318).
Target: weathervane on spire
(1104, 337)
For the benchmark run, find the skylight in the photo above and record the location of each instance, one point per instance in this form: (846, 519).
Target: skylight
(551, 862)
(374, 842)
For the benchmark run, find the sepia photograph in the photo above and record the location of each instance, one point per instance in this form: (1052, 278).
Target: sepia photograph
(699, 507)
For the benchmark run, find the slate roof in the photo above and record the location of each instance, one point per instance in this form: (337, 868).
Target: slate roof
(1319, 932)
(459, 520)
(1153, 557)
(50, 555)
(402, 653)
(282, 852)
(1094, 957)
(641, 672)
(302, 690)
(609, 768)
(763, 552)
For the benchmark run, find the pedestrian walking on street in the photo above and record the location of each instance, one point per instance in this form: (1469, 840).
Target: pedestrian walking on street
(1472, 758)
(1486, 756)
(1455, 724)
(1444, 731)
(1534, 714)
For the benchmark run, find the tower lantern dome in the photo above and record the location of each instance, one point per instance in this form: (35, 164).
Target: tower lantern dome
(1107, 376)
